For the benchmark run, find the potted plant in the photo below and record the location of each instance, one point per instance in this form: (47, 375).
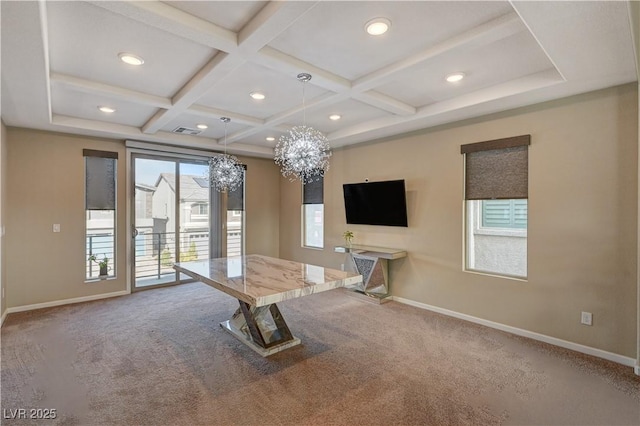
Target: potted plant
(348, 236)
(104, 264)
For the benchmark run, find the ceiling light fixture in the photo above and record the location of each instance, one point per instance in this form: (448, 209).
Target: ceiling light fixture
(377, 26)
(202, 126)
(257, 96)
(335, 117)
(455, 77)
(270, 138)
(130, 58)
(304, 152)
(225, 171)
(106, 109)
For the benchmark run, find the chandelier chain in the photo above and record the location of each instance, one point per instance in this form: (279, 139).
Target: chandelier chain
(225, 120)
(304, 107)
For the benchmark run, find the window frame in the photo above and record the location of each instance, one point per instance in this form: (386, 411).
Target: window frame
(88, 212)
(237, 214)
(305, 242)
(310, 201)
(472, 211)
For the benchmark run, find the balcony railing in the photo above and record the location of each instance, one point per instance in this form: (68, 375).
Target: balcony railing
(100, 245)
(155, 252)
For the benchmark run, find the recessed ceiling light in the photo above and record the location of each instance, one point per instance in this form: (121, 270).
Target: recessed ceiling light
(271, 138)
(377, 26)
(257, 96)
(455, 77)
(335, 117)
(106, 109)
(130, 58)
(202, 126)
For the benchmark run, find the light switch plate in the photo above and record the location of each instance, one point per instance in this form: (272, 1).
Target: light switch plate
(56, 227)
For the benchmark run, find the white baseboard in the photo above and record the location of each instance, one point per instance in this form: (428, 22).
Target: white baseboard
(64, 302)
(3, 317)
(636, 369)
(620, 359)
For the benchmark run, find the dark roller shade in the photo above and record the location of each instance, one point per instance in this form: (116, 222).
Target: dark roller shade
(100, 180)
(235, 198)
(101, 154)
(313, 192)
(497, 169)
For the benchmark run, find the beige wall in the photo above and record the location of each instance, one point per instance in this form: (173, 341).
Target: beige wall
(3, 182)
(46, 176)
(262, 207)
(46, 186)
(634, 8)
(583, 191)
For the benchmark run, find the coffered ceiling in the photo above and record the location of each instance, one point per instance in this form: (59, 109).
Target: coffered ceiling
(202, 59)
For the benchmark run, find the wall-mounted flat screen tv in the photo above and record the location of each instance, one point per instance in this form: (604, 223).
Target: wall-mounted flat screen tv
(376, 203)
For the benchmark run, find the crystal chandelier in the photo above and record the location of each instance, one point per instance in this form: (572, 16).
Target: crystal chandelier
(225, 171)
(304, 152)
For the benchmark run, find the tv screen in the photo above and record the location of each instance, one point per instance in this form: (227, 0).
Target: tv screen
(376, 203)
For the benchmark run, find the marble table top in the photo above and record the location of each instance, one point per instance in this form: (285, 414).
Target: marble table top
(381, 252)
(261, 280)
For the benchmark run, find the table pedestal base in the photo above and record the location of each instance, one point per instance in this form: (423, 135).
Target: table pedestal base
(261, 328)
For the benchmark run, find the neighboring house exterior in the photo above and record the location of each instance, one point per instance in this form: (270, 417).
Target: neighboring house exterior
(194, 213)
(193, 223)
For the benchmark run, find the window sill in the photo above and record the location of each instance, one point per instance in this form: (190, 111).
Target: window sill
(313, 248)
(97, 280)
(497, 275)
(501, 232)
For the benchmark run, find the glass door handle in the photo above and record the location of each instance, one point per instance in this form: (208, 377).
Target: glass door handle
(135, 232)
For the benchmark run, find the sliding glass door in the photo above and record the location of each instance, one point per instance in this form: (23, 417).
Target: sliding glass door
(174, 215)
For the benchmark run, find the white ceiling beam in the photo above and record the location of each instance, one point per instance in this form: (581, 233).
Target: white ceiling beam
(281, 62)
(111, 130)
(490, 31)
(275, 121)
(44, 28)
(533, 34)
(278, 61)
(586, 41)
(395, 124)
(26, 96)
(270, 22)
(211, 74)
(634, 21)
(384, 102)
(115, 92)
(175, 21)
(205, 111)
(261, 29)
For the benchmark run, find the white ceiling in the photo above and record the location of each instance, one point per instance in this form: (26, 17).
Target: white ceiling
(203, 58)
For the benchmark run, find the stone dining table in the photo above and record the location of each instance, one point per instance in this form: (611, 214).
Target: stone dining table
(259, 282)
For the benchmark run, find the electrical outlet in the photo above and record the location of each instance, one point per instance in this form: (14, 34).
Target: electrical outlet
(586, 318)
(342, 266)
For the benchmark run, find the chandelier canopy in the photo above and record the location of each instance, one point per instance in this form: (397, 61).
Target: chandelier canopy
(225, 171)
(304, 152)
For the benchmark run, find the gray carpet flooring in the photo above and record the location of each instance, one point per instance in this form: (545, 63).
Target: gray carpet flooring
(159, 357)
